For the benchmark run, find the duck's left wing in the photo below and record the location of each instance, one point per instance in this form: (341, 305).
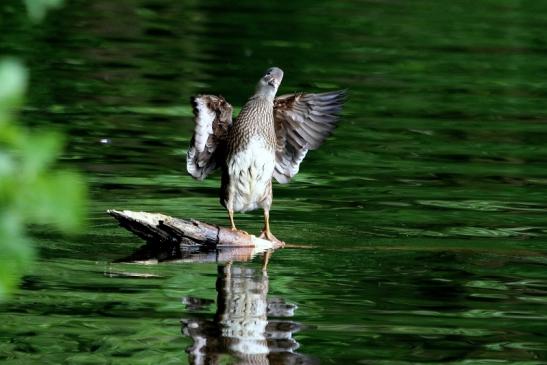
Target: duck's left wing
(302, 122)
(213, 118)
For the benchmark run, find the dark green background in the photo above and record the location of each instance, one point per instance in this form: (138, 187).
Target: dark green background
(427, 208)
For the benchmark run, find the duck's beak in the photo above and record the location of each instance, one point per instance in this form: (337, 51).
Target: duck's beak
(271, 80)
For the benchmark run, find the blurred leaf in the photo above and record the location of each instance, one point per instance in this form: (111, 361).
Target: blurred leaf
(9, 134)
(37, 9)
(32, 191)
(17, 253)
(13, 77)
(57, 198)
(7, 167)
(38, 151)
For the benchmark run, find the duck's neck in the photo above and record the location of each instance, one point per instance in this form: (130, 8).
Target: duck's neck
(267, 93)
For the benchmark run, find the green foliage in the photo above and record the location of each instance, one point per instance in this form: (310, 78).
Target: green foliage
(37, 9)
(31, 189)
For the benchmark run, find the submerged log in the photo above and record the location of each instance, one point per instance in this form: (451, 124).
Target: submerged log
(162, 229)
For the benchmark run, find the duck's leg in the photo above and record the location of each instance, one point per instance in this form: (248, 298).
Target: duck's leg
(266, 230)
(227, 199)
(231, 216)
(232, 223)
(266, 204)
(266, 233)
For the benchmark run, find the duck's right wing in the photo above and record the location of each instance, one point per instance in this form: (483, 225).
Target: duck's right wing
(302, 122)
(213, 118)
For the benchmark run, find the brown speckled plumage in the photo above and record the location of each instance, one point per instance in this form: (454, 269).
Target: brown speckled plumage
(254, 119)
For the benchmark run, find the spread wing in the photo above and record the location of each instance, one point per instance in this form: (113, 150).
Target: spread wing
(213, 118)
(302, 122)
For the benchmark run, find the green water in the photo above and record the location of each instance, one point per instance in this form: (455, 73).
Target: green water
(426, 210)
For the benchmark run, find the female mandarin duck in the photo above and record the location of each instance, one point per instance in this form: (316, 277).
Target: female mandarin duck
(269, 139)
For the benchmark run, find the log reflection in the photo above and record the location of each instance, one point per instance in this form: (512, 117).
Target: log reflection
(243, 327)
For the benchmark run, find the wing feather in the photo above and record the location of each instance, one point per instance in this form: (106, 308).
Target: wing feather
(302, 122)
(213, 119)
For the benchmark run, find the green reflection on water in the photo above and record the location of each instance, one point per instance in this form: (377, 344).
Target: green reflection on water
(425, 209)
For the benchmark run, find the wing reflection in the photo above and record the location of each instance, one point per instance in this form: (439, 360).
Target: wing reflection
(243, 328)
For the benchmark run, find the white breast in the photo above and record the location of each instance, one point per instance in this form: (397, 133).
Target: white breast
(250, 172)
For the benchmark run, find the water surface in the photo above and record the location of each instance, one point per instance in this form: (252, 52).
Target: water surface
(426, 209)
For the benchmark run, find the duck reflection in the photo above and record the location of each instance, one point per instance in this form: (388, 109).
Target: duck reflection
(242, 328)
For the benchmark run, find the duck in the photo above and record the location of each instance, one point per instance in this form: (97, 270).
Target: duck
(267, 141)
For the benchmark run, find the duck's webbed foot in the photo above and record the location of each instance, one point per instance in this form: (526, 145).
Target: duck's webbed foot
(268, 235)
(232, 224)
(234, 229)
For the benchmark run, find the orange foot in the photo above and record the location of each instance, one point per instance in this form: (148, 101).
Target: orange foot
(234, 229)
(267, 235)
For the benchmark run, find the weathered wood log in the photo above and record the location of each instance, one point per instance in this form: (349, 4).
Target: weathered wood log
(162, 229)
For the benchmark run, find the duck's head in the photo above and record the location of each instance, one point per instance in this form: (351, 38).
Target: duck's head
(269, 83)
